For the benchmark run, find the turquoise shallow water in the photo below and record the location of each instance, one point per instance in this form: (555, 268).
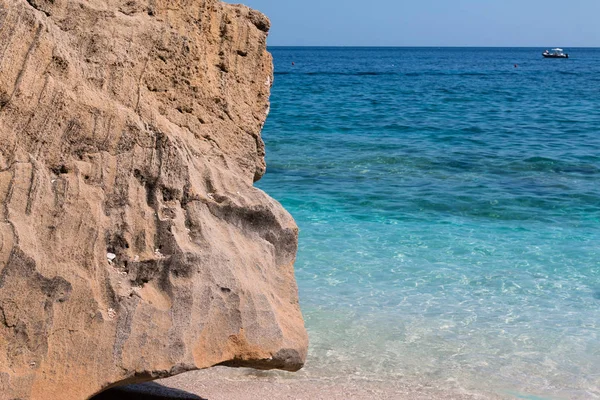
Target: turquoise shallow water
(449, 207)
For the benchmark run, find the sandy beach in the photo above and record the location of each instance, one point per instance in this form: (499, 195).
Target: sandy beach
(223, 384)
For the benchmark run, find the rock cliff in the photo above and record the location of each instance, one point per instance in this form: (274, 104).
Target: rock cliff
(133, 245)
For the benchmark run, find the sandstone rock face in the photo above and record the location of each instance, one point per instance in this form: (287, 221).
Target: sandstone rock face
(133, 244)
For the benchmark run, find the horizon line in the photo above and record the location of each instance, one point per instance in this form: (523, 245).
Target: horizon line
(430, 46)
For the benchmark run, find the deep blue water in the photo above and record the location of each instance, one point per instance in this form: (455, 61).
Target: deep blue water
(449, 208)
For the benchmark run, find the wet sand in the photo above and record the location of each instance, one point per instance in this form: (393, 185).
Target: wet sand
(219, 384)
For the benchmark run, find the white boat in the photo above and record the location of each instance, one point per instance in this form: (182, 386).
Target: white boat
(556, 53)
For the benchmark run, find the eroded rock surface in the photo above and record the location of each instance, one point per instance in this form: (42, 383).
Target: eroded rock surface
(133, 244)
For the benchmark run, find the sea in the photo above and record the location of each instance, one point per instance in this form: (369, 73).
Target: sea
(448, 201)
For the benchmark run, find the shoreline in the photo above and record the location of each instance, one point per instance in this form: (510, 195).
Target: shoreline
(220, 383)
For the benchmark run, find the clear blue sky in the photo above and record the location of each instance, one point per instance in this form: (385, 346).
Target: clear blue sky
(540, 23)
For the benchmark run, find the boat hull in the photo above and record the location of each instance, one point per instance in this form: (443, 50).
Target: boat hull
(555, 55)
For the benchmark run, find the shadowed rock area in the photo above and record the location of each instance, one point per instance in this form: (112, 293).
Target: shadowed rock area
(133, 245)
(146, 391)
